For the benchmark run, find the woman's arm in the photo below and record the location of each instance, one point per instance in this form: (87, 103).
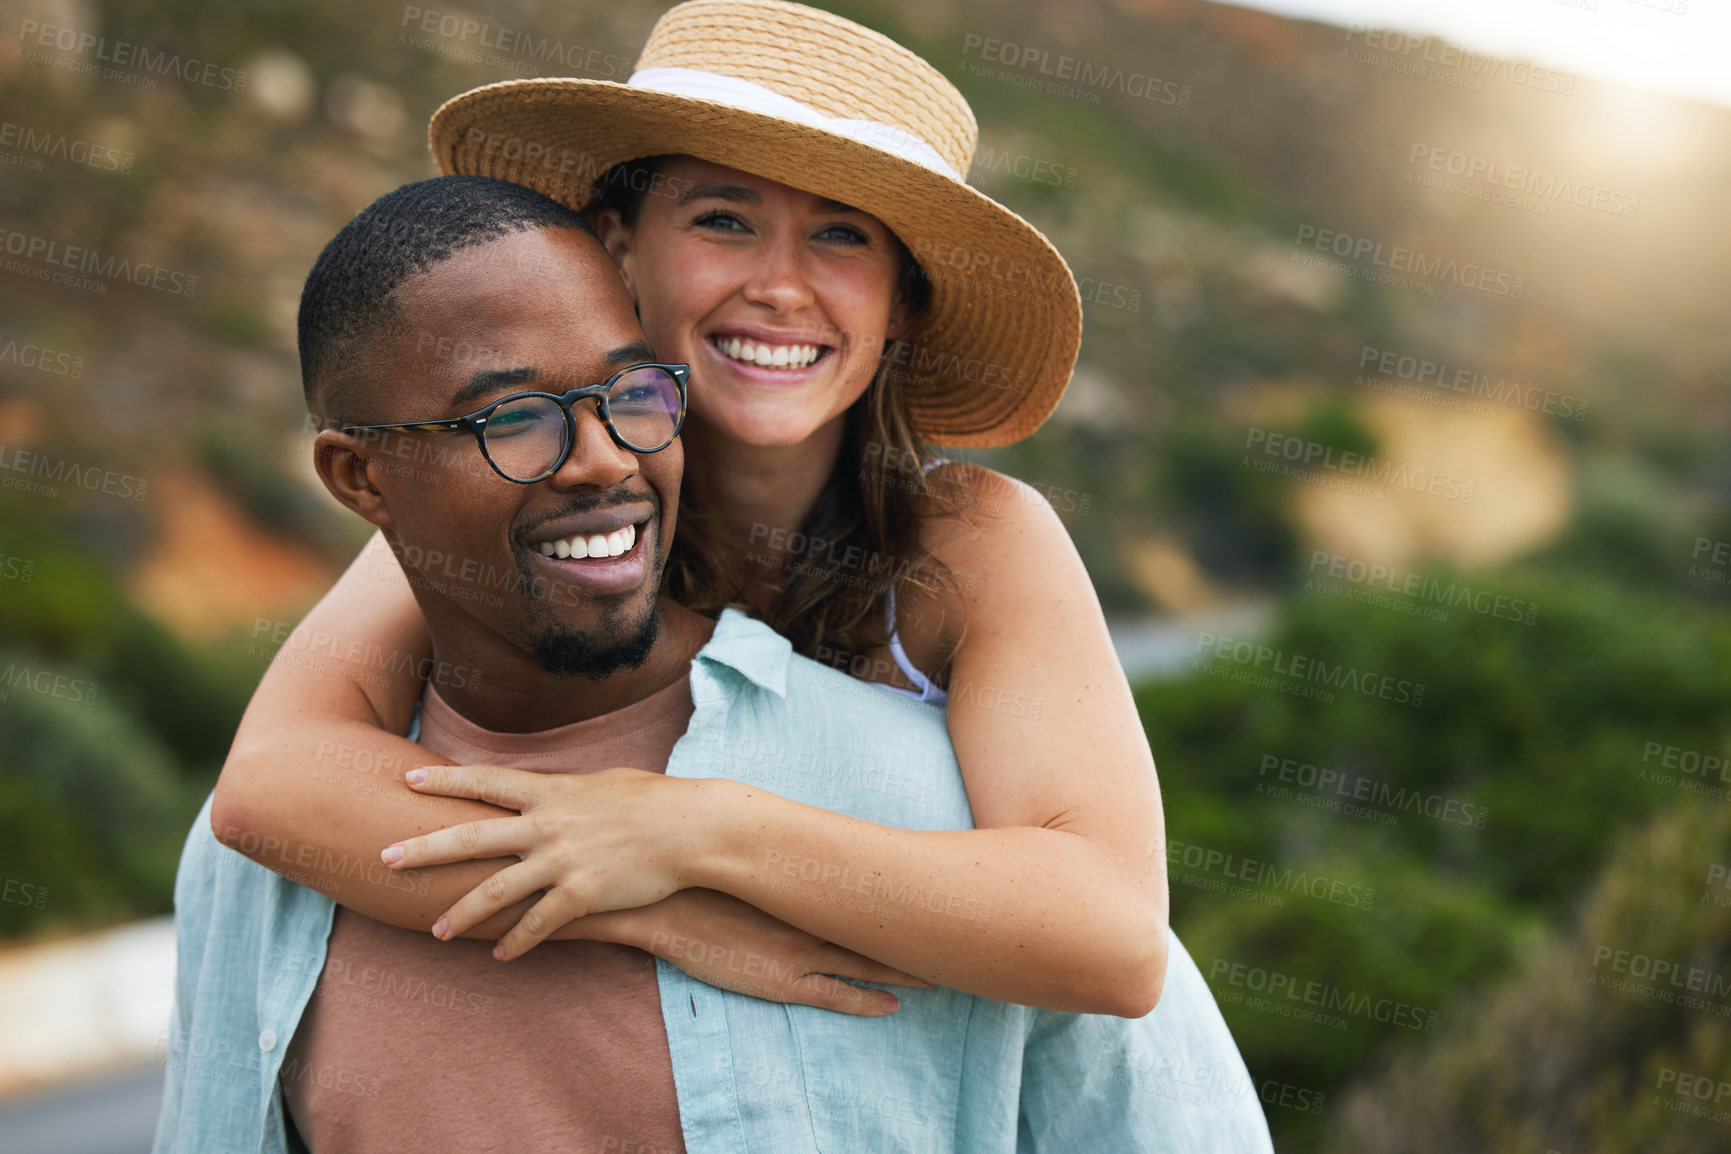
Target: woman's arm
(1069, 851)
(1057, 899)
(313, 789)
(313, 785)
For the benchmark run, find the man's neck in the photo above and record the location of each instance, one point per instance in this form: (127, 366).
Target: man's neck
(506, 690)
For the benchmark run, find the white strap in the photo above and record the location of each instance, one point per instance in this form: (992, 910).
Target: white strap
(743, 94)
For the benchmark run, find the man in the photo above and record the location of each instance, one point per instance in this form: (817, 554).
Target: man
(295, 1023)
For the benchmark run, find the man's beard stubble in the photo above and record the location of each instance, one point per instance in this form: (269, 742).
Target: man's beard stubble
(573, 655)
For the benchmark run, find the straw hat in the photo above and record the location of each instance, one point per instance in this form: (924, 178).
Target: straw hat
(813, 101)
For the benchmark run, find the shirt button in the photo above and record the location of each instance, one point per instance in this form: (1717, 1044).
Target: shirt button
(267, 1040)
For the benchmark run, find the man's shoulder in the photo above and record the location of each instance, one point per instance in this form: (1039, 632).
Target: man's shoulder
(803, 688)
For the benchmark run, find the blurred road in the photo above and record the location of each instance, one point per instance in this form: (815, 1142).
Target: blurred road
(112, 1115)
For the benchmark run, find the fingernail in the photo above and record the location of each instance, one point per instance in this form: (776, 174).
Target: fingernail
(392, 854)
(439, 928)
(499, 951)
(890, 1005)
(415, 776)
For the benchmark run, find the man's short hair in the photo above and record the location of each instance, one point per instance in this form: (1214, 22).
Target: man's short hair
(349, 301)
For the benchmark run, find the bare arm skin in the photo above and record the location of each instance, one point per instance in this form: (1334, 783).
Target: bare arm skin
(1069, 851)
(1064, 864)
(313, 789)
(1056, 900)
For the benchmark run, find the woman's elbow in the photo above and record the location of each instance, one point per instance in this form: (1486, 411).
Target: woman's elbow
(231, 806)
(1143, 976)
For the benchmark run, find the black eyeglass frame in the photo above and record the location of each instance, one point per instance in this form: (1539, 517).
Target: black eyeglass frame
(476, 422)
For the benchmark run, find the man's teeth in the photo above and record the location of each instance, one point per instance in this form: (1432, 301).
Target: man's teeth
(770, 356)
(596, 545)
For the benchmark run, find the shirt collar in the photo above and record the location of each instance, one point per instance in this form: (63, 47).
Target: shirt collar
(750, 648)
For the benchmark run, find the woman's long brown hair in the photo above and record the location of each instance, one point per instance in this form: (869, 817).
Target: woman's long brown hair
(861, 539)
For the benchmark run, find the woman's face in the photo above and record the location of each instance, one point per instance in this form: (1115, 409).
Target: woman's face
(779, 299)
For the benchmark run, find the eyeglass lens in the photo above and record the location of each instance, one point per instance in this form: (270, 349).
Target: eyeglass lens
(526, 438)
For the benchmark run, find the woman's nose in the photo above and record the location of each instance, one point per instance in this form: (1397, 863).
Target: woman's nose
(778, 276)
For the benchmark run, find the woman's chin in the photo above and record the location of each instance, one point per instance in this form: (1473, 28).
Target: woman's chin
(775, 423)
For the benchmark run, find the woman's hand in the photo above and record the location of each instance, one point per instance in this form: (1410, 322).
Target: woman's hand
(594, 842)
(727, 943)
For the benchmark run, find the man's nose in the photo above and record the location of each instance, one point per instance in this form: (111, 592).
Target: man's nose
(595, 459)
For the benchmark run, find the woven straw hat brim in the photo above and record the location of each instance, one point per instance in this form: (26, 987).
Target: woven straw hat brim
(990, 360)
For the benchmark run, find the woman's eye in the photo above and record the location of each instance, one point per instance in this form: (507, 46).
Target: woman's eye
(846, 233)
(720, 222)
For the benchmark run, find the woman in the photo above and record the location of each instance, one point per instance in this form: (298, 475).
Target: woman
(797, 160)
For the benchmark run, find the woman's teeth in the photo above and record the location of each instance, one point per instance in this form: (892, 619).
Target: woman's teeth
(769, 356)
(596, 545)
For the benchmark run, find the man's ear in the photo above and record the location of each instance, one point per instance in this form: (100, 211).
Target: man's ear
(610, 230)
(345, 462)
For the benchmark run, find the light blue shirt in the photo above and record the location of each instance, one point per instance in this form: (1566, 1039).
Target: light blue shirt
(949, 1072)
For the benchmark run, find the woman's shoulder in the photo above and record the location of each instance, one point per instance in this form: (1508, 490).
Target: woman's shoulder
(973, 507)
(1003, 545)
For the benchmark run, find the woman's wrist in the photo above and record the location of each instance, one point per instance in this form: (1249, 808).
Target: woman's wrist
(620, 927)
(722, 808)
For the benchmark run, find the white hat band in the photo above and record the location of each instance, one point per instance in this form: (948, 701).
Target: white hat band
(749, 97)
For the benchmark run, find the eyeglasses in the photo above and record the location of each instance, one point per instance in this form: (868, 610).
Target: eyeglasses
(527, 437)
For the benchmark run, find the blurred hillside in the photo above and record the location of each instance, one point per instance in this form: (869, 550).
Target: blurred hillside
(1187, 211)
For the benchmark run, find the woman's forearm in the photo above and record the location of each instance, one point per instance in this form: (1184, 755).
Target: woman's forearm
(313, 786)
(1037, 916)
